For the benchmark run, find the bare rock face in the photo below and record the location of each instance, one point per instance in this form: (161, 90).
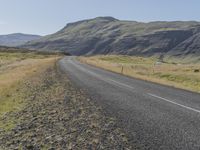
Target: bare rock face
(107, 35)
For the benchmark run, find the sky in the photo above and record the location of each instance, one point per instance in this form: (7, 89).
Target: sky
(48, 16)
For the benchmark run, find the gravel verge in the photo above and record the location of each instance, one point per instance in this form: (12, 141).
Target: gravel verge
(60, 116)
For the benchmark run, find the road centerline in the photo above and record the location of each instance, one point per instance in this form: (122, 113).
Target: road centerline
(119, 84)
(175, 111)
(108, 80)
(167, 100)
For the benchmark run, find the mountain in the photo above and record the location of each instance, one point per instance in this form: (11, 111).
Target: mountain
(189, 46)
(16, 39)
(107, 35)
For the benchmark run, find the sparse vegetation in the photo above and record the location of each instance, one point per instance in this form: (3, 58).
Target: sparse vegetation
(15, 69)
(40, 109)
(181, 75)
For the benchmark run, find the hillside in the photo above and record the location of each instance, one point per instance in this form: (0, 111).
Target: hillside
(16, 39)
(107, 35)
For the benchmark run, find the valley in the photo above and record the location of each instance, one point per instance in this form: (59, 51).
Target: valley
(102, 83)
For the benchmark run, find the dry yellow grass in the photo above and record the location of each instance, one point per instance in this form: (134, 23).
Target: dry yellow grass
(15, 68)
(178, 75)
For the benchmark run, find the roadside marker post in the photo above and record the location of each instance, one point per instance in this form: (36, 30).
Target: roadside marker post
(122, 70)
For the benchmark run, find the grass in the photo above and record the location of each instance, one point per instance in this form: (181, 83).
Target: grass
(181, 74)
(15, 70)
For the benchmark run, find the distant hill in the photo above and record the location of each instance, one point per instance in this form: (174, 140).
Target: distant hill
(16, 39)
(107, 35)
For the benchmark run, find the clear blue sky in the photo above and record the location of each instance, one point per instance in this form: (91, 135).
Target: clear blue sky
(48, 16)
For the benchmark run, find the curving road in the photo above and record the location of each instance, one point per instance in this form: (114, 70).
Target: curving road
(156, 116)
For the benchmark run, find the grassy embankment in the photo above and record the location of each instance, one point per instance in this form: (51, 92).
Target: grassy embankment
(15, 70)
(181, 74)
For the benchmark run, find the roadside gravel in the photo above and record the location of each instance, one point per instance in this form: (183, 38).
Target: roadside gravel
(59, 116)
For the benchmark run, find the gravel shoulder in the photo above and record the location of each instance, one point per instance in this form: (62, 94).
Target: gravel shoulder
(58, 115)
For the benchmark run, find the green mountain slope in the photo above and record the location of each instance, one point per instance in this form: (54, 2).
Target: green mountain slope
(107, 35)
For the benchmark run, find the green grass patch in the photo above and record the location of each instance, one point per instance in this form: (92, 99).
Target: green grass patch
(11, 100)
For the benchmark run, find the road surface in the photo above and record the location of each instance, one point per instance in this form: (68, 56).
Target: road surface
(156, 116)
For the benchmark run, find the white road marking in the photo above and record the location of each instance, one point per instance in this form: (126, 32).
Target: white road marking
(111, 81)
(189, 108)
(130, 87)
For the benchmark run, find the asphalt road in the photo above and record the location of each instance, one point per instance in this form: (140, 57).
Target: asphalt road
(156, 116)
